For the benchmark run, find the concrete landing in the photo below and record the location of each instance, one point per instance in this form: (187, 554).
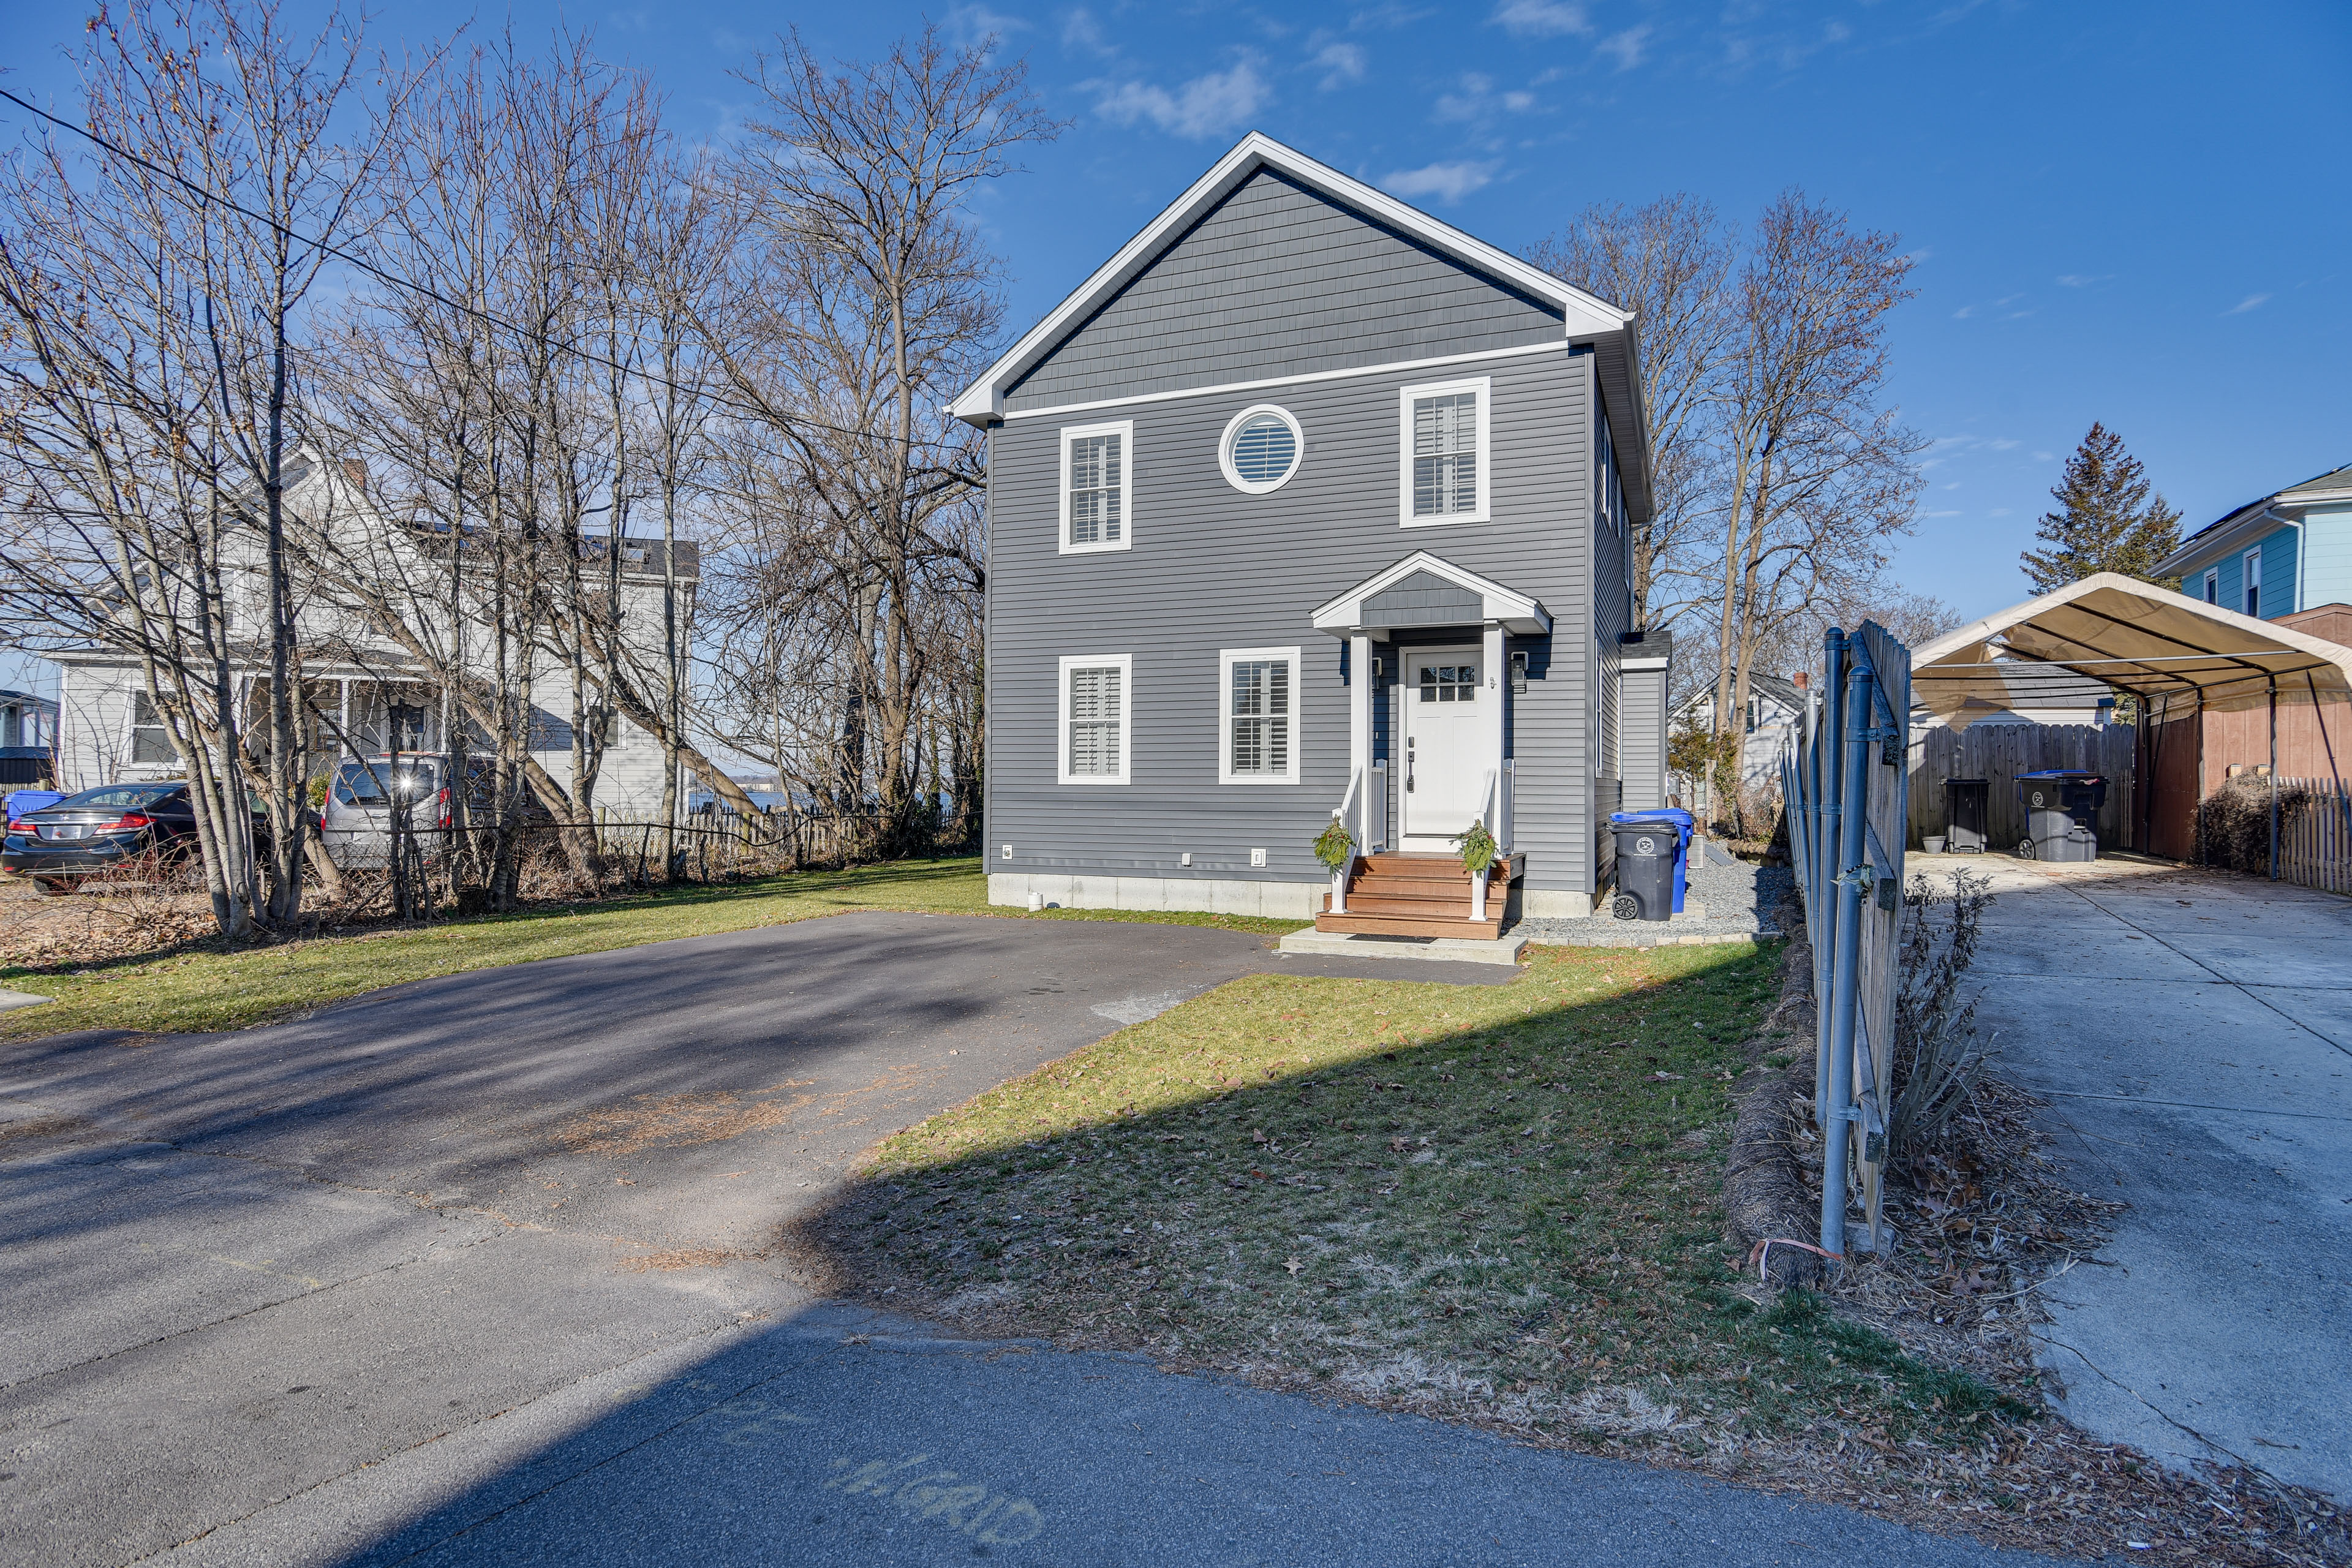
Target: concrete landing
(1441, 949)
(9, 999)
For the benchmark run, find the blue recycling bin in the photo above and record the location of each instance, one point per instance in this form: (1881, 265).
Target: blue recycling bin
(21, 801)
(1684, 824)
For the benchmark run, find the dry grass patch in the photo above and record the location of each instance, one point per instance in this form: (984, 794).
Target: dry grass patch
(673, 1122)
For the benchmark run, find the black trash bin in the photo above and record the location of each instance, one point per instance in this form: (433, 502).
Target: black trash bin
(2062, 813)
(1967, 814)
(1645, 870)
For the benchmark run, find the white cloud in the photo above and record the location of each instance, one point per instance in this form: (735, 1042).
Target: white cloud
(1542, 18)
(1628, 48)
(1941, 514)
(1081, 31)
(976, 24)
(1342, 63)
(2045, 456)
(1208, 105)
(1478, 101)
(2081, 280)
(2252, 301)
(1448, 183)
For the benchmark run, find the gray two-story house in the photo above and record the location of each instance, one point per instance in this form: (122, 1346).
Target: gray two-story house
(1307, 503)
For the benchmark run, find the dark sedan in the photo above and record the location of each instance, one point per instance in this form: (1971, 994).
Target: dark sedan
(100, 830)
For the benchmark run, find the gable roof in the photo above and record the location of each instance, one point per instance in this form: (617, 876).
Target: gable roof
(1778, 689)
(2335, 485)
(1422, 580)
(1587, 317)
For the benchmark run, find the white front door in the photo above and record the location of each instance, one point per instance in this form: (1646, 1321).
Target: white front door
(1446, 744)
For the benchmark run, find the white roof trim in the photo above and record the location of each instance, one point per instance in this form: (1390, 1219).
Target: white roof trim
(1586, 315)
(1513, 610)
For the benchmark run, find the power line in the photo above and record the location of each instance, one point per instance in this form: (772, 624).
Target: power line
(204, 194)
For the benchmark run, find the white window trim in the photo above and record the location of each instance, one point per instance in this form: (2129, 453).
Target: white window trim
(1225, 450)
(1125, 664)
(1124, 430)
(1484, 385)
(2213, 585)
(1226, 659)
(2250, 581)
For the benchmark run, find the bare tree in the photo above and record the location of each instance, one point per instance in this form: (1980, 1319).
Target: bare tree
(1818, 476)
(864, 298)
(1670, 262)
(157, 302)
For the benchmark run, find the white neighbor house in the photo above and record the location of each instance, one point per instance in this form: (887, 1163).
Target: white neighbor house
(106, 729)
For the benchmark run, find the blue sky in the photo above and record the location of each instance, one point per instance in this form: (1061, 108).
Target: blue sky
(2136, 213)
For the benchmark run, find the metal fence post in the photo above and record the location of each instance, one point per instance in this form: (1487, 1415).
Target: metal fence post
(1820, 903)
(1846, 968)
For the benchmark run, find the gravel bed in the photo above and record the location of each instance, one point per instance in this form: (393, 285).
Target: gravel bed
(1738, 900)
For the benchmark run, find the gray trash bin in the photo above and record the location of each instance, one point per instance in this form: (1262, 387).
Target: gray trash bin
(1645, 870)
(2062, 814)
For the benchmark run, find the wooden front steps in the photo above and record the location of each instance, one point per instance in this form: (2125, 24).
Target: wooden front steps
(1419, 895)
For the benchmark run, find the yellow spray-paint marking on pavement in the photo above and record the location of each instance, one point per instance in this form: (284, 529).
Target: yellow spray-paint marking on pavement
(990, 1517)
(304, 1280)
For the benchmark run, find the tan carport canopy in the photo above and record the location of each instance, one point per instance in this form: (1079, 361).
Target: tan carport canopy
(2163, 646)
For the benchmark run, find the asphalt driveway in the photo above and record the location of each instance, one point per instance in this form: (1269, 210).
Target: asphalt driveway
(481, 1268)
(2192, 1032)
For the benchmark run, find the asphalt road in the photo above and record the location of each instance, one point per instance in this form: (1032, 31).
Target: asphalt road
(480, 1269)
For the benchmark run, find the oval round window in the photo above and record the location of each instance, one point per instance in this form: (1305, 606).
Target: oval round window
(1261, 450)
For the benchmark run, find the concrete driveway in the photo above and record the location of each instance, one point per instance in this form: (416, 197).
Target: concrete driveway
(477, 1269)
(2194, 1034)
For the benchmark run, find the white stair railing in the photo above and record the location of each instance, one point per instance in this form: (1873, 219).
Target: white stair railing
(1339, 815)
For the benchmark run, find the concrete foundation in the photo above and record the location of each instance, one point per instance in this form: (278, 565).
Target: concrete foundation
(1268, 900)
(1444, 950)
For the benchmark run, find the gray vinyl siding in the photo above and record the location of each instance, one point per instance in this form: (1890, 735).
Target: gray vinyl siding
(1209, 568)
(1280, 280)
(1641, 709)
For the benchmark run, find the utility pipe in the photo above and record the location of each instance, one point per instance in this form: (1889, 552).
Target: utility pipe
(1846, 972)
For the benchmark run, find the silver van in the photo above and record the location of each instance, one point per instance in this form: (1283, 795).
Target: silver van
(356, 825)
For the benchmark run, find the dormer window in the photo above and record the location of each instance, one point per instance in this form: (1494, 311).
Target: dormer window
(1097, 465)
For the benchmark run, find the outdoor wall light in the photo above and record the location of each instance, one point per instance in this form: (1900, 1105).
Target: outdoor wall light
(1519, 672)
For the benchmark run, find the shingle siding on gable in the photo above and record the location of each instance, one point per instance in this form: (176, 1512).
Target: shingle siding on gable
(1277, 280)
(1210, 568)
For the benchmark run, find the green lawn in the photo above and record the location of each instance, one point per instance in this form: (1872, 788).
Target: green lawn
(208, 986)
(1498, 1203)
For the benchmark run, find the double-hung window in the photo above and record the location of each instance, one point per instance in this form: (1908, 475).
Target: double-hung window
(1095, 691)
(1097, 485)
(2213, 586)
(150, 739)
(1258, 699)
(2253, 567)
(1445, 476)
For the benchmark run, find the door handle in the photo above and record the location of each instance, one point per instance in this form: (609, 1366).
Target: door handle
(1408, 767)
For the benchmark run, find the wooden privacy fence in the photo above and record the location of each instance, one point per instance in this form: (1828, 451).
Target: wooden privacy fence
(1998, 753)
(1846, 780)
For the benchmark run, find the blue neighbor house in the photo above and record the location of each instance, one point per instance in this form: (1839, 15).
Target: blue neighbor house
(2279, 556)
